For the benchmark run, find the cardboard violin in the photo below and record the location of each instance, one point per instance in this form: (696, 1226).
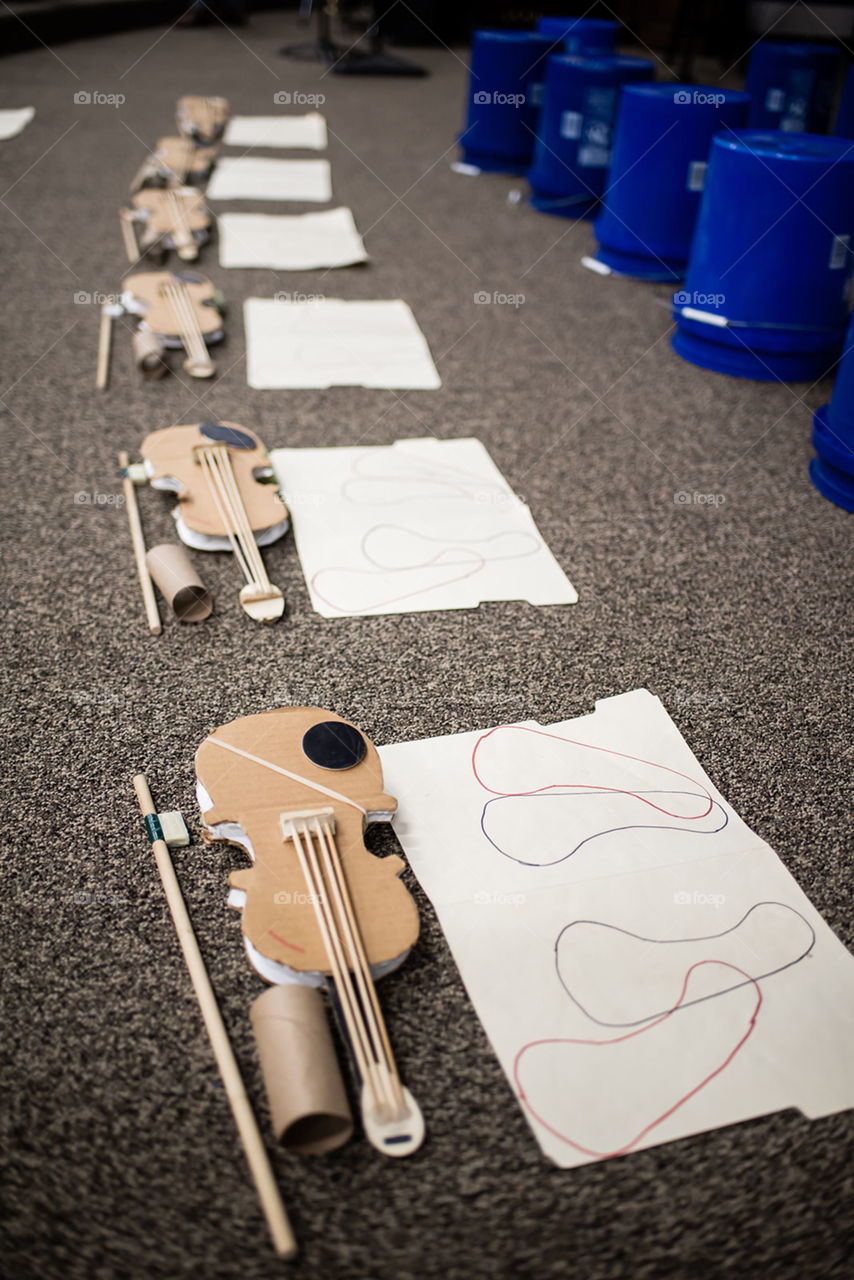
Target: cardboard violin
(296, 788)
(176, 310)
(200, 119)
(166, 218)
(227, 499)
(175, 162)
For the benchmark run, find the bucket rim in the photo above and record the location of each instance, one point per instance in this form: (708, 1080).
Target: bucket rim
(804, 147)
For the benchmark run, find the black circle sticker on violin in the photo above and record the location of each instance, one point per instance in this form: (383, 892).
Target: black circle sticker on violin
(333, 745)
(226, 435)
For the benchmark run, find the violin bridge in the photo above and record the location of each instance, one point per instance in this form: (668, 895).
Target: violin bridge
(289, 822)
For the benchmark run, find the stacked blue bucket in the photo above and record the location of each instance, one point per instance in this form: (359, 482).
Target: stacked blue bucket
(657, 175)
(505, 91)
(832, 469)
(583, 36)
(791, 86)
(766, 290)
(572, 154)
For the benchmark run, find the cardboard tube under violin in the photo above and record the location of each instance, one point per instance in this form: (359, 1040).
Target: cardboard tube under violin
(148, 353)
(177, 580)
(309, 1106)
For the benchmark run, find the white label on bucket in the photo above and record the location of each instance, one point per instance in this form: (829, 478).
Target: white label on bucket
(697, 175)
(775, 99)
(570, 124)
(594, 157)
(840, 252)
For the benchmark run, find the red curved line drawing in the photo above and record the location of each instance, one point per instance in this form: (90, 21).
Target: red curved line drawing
(619, 791)
(620, 1151)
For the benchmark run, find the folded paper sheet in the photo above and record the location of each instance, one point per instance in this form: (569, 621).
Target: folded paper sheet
(324, 342)
(420, 524)
(13, 120)
(308, 131)
(295, 242)
(644, 965)
(259, 178)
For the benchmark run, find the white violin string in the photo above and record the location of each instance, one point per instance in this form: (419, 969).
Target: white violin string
(201, 351)
(253, 553)
(366, 969)
(348, 928)
(213, 460)
(188, 326)
(331, 941)
(286, 773)
(179, 218)
(191, 331)
(224, 515)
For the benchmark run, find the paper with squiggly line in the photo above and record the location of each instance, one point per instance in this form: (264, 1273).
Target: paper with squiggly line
(417, 525)
(643, 964)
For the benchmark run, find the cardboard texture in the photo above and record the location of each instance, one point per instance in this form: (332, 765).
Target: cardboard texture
(278, 917)
(175, 577)
(202, 119)
(160, 220)
(147, 288)
(171, 454)
(308, 1103)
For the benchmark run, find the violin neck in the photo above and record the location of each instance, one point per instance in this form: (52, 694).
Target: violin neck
(313, 835)
(182, 236)
(198, 363)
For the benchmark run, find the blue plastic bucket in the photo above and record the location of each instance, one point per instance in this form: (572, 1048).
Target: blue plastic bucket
(791, 86)
(661, 146)
(771, 260)
(844, 127)
(832, 470)
(505, 92)
(573, 149)
(583, 36)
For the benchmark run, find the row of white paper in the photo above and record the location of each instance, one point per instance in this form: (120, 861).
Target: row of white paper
(316, 341)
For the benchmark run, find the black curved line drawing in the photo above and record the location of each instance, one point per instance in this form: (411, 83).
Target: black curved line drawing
(634, 826)
(711, 937)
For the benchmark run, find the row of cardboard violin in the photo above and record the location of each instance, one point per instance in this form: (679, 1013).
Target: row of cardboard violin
(173, 310)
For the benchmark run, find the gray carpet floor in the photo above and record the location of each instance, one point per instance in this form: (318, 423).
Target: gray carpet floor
(120, 1156)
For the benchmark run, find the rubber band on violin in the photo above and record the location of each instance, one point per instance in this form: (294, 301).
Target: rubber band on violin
(296, 788)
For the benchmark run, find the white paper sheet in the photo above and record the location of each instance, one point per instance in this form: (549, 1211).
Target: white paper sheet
(295, 242)
(325, 342)
(420, 524)
(13, 120)
(643, 964)
(259, 178)
(308, 131)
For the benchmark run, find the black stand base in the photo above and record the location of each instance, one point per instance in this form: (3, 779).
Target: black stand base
(375, 63)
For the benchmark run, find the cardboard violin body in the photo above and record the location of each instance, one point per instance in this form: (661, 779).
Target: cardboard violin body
(200, 119)
(171, 456)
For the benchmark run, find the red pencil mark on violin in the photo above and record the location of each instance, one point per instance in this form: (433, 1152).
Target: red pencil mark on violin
(292, 945)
